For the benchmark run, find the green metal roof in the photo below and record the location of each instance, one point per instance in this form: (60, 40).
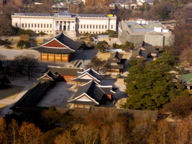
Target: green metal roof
(188, 77)
(151, 25)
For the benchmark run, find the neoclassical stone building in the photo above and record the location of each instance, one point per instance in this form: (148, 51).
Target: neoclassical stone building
(51, 23)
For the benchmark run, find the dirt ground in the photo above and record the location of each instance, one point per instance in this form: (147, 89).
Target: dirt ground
(8, 95)
(106, 55)
(35, 41)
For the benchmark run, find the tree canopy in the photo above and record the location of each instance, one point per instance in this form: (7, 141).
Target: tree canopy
(150, 86)
(23, 43)
(102, 46)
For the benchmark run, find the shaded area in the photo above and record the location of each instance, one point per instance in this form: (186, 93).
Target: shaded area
(10, 92)
(33, 96)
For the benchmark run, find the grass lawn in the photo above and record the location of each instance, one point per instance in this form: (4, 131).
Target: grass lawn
(10, 92)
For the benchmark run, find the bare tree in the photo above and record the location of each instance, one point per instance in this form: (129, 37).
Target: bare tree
(164, 133)
(2, 60)
(29, 133)
(97, 64)
(5, 25)
(185, 57)
(97, 6)
(3, 132)
(25, 64)
(13, 131)
(30, 64)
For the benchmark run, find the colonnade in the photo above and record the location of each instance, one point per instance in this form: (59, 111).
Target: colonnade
(63, 25)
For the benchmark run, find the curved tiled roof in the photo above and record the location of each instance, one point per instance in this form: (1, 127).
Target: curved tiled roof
(92, 90)
(54, 50)
(55, 44)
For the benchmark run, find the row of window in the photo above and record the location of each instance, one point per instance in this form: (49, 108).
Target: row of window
(90, 32)
(81, 106)
(84, 26)
(38, 31)
(28, 25)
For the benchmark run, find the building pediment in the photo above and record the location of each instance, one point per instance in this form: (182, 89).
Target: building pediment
(54, 43)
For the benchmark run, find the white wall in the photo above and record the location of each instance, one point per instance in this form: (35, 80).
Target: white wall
(92, 25)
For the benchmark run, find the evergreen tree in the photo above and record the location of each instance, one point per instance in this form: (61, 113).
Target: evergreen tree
(150, 85)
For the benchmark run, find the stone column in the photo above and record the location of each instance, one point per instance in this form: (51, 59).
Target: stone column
(58, 23)
(66, 25)
(68, 28)
(62, 25)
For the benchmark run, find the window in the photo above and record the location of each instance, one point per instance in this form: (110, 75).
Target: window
(90, 26)
(35, 25)
(41, 25)
(105, 26)
(93, 26)
(102, 26)
(47, 25)
(22, 25)
(38, 26)
(25, 25)
(99, 26)
(111, 26)
(87, 26)
(84, 26)
(50, 25)
(96, 26)
(81, 106)
(44, 25)
(31, 25)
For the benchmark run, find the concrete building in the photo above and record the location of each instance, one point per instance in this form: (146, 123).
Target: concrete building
(52, 23)
(151, 32)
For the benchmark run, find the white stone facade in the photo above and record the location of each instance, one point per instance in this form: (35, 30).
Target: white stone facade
(64, 21)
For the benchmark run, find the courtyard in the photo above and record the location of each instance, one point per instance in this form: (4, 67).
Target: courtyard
(58, 95)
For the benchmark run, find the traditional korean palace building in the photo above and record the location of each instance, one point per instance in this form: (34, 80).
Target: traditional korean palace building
(52, 23)
(60, 48)
(87, 75)
(65, 73)
(116, 63)
(91, 94)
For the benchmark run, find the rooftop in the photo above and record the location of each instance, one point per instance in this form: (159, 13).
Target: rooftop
(143, 26)
(63, 14)
(34, 14)
(92, 15)
(188, 77)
